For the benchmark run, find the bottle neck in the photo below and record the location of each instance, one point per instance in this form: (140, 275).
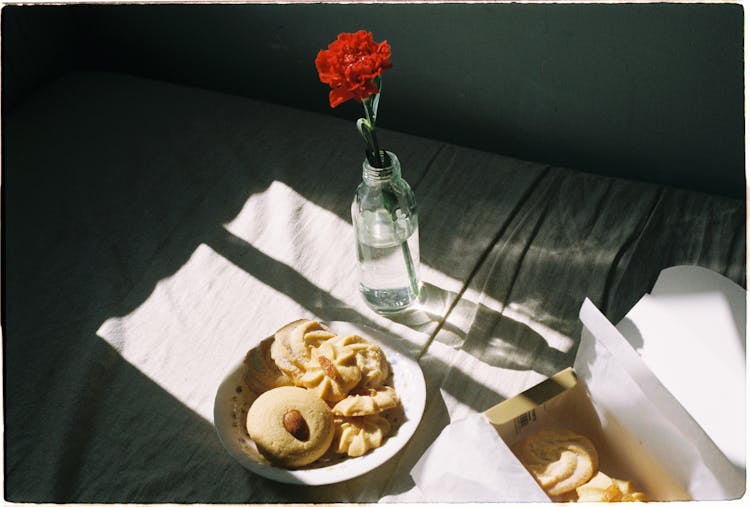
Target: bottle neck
(379, 175)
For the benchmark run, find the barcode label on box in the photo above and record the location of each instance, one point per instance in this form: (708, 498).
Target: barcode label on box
(524, 420)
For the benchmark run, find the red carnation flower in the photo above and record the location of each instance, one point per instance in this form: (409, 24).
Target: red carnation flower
(350, 65)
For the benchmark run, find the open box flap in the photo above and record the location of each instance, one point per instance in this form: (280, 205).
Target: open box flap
(694, 319)
(610, 366)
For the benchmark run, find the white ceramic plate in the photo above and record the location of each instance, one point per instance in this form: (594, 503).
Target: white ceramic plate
(233, 399)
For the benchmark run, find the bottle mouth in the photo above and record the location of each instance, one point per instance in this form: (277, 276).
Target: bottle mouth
(376, 174)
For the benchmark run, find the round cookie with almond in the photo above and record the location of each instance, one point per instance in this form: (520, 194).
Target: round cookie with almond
(291, 426)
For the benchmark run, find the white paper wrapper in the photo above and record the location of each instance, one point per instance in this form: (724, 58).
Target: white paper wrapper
(655, 439)
(469, 462)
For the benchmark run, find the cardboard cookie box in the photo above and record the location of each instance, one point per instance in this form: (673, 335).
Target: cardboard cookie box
(641, 432)
(563, 402)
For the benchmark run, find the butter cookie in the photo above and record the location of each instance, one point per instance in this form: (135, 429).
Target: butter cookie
(371, 401)
(331, 372)
(261, 372)
(602, 488)
(305, 337)
(290, 426)
(370, 359)
(354, 436)
(281, 351)
(559, 460)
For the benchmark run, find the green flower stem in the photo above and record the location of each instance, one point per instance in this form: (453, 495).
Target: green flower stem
(410, 268)
(377, 158)
(367, 129)
(391, 207)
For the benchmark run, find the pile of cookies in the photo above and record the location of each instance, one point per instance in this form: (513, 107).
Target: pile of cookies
(566, 466)
(318, 393)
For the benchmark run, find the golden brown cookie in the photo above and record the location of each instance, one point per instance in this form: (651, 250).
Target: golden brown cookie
(370, 359)
(629, 493)
(305, 337)
(570, 496)
(559, 460)
(357, 435)
(291, 426)
(261, 372)
(371, 401)
(602, 488)
(331, 372)
(281, 352)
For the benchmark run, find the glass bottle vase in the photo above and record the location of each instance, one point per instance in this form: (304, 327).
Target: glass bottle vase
(386, 227)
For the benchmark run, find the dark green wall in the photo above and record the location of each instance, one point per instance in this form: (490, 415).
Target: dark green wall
(38, 44)
(646, 91)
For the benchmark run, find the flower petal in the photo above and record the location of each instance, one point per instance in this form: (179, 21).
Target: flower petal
(350, 64)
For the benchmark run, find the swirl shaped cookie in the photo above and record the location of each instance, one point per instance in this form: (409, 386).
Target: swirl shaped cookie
(372, 401)
(370, 359)
(306, 336)
(355, 436)
(290, 426)
(281, 351)
(331, 372)
(261, 372)
(560, 460)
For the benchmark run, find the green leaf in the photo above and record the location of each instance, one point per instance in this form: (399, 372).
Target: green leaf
(376, 100)
(362, 125)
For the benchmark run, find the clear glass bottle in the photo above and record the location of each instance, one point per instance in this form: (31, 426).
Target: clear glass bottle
(386, 226)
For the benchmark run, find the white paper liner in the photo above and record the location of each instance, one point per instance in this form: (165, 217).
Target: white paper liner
(469, 462)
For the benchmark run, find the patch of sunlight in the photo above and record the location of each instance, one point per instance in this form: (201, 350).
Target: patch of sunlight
(468, 321)
(528, 314)
(471, 378)
(288, 227)
(279, 259)
(555, 339)
(195, 325)
(473, 303)
(282, 257)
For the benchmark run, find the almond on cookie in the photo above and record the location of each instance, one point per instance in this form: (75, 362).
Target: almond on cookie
(331, 372)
